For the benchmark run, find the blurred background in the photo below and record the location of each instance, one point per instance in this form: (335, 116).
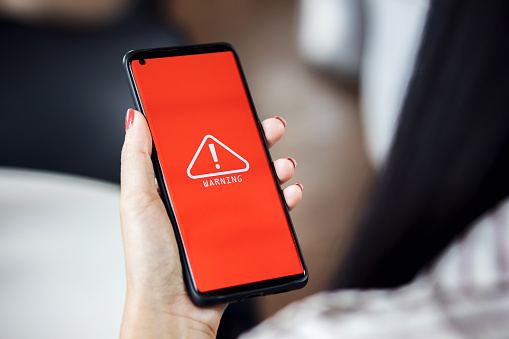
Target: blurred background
(336, 70)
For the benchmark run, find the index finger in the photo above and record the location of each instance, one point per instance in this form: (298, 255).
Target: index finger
(274, 128)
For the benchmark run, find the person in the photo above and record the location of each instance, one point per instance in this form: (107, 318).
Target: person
(157, 304)
(433, 235)
(449, 301)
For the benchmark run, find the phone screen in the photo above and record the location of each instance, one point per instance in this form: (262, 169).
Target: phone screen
(226, 202)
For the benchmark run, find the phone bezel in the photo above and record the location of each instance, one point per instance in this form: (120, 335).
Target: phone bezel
(230, 294)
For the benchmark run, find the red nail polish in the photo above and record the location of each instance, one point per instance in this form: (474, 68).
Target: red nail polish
(129, 118)
(293, 162)
(300, 186)
(282, 120)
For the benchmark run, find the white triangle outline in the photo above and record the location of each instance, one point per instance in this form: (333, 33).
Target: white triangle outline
(208, 136)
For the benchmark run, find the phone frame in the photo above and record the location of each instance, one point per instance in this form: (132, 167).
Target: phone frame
(230, 294)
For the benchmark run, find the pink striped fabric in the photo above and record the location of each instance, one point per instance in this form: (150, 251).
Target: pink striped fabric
(464, 295)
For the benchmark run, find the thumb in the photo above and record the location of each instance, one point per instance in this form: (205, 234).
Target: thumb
(137, 173)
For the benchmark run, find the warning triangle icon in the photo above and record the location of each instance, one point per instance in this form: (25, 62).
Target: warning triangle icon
(214, 158)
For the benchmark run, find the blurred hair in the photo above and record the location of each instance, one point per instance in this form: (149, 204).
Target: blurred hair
(449, 161)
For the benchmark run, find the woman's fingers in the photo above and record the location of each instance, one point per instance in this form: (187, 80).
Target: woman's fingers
(274, 128)
(137, 173)
(285, 169)
(293, 195)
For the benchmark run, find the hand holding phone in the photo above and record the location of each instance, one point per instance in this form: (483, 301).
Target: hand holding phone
(157, 299)
(217, 181)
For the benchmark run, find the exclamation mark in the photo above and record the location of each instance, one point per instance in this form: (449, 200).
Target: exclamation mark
(214, 155)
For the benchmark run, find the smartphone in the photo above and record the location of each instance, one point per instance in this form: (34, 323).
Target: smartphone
(215, 173)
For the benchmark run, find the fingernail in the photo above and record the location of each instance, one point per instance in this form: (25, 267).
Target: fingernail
(129, 118)
(293, 162)
(300, 186)
(282, 120)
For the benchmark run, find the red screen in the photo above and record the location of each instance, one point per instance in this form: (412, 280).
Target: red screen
(229, 213)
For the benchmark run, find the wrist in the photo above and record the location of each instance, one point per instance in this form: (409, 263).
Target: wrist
(144, 318)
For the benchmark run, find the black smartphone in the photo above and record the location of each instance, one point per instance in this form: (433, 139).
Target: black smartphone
(215, 173)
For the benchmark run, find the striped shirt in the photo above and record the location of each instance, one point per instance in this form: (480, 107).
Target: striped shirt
(465, 294)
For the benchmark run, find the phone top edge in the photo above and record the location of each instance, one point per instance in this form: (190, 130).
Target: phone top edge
(148, 53)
